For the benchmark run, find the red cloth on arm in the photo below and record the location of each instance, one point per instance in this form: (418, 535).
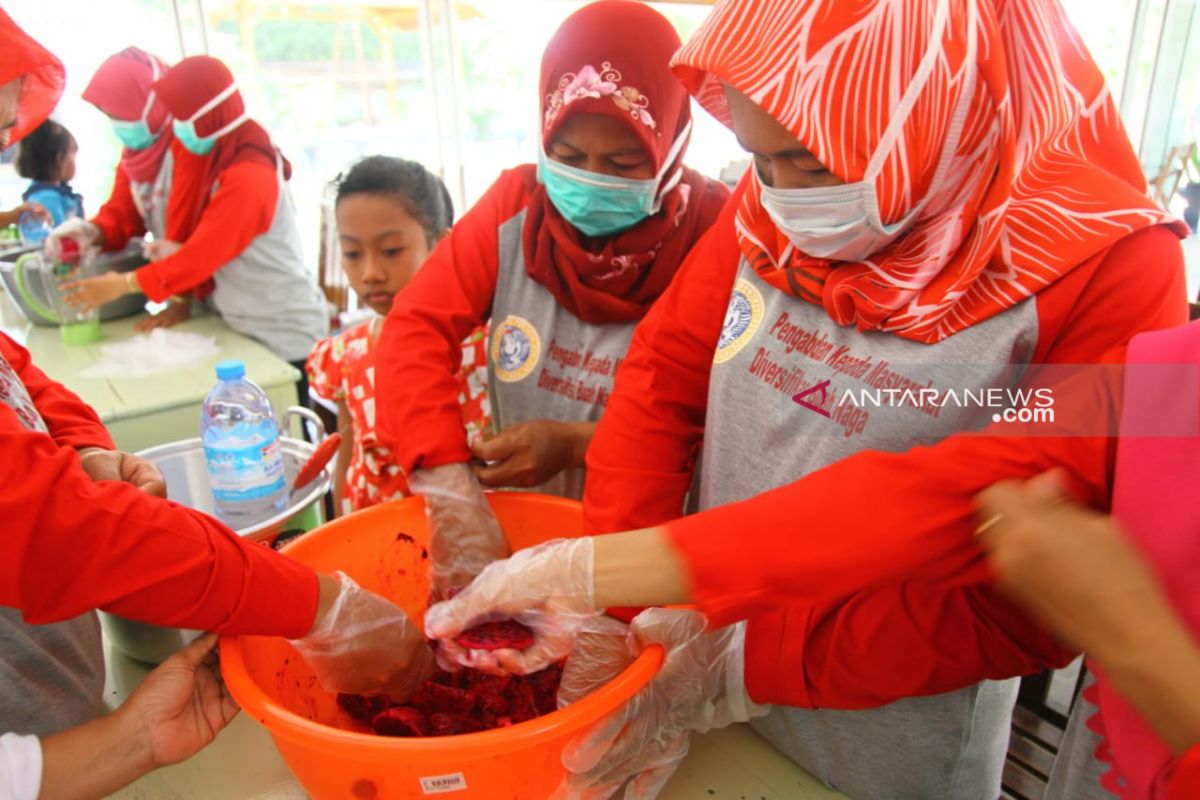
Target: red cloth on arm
(241, 208)
(815, 540)
(420, 349)
(72, 544)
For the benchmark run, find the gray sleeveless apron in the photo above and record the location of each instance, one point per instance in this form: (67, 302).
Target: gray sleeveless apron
(150, 197)
(266, 292)
(757, 437)
(543, 361)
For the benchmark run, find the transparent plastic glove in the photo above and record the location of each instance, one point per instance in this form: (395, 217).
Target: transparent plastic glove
(82, 231)
(600, 653)
(699, 687)
(366, 645)
(464, 534)
(547, 588)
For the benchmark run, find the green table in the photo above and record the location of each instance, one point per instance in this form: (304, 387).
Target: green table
(164, 407)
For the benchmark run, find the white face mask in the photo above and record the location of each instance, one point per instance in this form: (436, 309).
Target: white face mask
(842, 223)
(835, 222)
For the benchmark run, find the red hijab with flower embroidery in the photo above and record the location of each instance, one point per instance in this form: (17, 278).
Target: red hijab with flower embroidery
(121, 88)
(611, 57)
(1042, 178)
(184, 90)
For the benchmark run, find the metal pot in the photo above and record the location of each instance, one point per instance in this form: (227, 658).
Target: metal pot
(182, 464)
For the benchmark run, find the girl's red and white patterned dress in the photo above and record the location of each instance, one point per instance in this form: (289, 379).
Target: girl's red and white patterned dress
(342, 367)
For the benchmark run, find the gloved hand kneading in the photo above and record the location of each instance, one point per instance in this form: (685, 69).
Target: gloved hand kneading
(365, 644)
(700, 686)
(547, 588)
(464, 534)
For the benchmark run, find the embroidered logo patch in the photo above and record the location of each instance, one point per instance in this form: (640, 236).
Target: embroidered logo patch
(742, 319)
(515, 349)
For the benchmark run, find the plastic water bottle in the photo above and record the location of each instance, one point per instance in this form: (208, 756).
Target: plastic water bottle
(241, 446)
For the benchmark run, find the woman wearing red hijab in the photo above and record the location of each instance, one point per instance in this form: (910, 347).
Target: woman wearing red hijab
(565, 257)
(229, 218)
(123, 89)
(942, 194)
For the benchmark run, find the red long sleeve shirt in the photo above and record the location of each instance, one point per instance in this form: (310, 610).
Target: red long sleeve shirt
(241, 208)
(420, 347)
(870, 520)
(72, 544)
(119, 219)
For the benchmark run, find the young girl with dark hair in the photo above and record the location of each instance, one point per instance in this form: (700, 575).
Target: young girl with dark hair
(47, 158)
(390, 214)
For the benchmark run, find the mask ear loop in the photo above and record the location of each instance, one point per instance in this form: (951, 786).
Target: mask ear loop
(663, 189)
(222, 96)
(155, 73)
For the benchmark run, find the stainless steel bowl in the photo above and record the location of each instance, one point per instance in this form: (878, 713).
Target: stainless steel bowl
(182, 464)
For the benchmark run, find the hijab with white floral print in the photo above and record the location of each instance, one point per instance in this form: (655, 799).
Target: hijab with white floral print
(594, 66)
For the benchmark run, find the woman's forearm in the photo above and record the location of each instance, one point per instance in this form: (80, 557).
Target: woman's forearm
(638, 568)
(1156, 670)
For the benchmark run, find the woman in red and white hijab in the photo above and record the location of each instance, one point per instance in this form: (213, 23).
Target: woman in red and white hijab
(123, 89)
(942, 195)
(229, 219)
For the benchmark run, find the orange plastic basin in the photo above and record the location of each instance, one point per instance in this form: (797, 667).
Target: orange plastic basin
(273, 685)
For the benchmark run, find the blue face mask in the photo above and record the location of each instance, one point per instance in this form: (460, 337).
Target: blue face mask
(185, 132)
(135, 135)
(185, 129)
(598, 205)
(601, 205)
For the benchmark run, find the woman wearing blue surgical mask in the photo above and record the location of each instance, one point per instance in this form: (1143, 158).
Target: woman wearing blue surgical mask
(229, 221)
(565, 257)
(122, 89)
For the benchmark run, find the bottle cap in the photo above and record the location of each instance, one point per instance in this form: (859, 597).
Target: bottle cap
(231, 370)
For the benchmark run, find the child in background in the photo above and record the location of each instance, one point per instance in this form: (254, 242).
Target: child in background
(390, 214)
(47, 157)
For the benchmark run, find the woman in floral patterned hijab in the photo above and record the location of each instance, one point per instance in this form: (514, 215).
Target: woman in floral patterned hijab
(594, 69)
(564, 256)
